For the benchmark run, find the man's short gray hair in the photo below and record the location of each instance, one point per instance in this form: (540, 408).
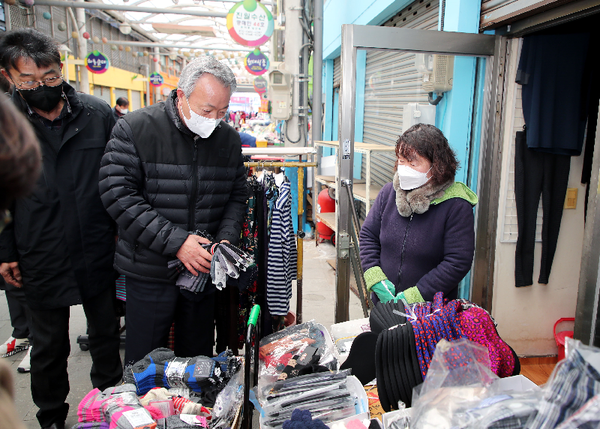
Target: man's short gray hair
(205, 64)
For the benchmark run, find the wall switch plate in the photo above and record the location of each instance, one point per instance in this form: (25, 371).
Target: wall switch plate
(571, 198)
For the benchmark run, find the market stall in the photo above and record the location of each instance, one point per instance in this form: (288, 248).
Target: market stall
(437, 364)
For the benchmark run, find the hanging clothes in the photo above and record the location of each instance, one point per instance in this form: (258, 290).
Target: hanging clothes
(537, 173)
(555, 93)
(282, 256)
(250, 243)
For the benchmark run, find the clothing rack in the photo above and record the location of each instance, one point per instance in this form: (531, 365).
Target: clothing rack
(300, 165)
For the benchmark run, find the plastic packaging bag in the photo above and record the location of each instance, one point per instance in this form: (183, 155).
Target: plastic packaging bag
(573, 383)
(278, 348)
(460, 391)
(228, 401)
(343, 334)
(587, 417)
(328, 396)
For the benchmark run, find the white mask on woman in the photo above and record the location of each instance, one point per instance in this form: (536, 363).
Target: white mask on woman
(198, 124)
(411, 178)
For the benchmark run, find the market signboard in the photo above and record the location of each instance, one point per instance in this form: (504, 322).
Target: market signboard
(156, 79)
(260, 84)
(97, 62)
(256, 62)
(250, 23)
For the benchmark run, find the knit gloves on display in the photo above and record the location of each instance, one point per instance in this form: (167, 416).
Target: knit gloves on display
(377, 282)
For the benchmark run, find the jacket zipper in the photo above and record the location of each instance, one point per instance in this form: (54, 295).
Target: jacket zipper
(192, 203)
(406, 230)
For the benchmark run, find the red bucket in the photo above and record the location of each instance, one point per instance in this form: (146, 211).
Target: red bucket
(560, 336)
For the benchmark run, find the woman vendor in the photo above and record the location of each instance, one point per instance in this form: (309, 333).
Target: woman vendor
(418, 238)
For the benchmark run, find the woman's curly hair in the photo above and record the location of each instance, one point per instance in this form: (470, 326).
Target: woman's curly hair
(428, 141)
(20, 155)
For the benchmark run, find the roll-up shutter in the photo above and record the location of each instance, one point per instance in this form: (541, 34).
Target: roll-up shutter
(498, 13)
(392, 81)
(136, 100)
(120, 93)
(337, 72)
(102, 92)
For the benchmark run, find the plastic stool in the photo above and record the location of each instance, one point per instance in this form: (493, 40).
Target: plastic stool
(561, 336)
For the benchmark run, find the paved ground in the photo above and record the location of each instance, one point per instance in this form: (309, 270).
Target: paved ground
(318, 304)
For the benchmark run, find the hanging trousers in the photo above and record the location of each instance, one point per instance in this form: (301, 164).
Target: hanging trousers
(49, 377)
(537, 173)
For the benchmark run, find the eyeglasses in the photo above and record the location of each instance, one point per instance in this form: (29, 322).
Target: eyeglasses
(33, 84)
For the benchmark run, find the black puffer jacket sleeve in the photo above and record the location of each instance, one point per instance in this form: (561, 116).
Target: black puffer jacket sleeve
(121, 185)
(231, 225)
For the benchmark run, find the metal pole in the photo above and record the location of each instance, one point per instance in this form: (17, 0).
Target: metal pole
(293, 39)
(82, 48)
(171, 45)
(317, 71)
(300, 245)
(7, 17)
(345, 161)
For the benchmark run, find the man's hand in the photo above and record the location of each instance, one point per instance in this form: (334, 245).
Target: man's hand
(193, 255)
(11, 273)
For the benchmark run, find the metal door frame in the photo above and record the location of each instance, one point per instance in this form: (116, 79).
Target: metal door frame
(356, 37)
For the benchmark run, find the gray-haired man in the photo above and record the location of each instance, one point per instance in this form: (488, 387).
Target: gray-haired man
(169, 169)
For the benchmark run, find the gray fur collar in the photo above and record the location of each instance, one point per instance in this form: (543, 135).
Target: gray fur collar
(417, 200)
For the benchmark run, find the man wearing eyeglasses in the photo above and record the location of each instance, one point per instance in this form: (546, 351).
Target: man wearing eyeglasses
(60, 246)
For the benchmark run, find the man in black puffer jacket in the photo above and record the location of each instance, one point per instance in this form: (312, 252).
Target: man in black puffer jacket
(169, 169)
(60, 246)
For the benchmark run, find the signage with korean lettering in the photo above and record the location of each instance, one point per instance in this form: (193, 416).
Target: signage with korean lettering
(260, 84)
(97, 62)
(156, 79)
(256, 62)
(250, 23)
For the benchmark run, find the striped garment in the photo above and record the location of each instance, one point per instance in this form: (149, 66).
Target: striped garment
(282, 257)
(575, 381)
(121, 295)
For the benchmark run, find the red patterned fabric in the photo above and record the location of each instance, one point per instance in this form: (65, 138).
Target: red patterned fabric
(477, 326)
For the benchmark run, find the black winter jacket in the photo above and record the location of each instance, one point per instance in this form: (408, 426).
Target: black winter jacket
(158, 181)
(61, 235)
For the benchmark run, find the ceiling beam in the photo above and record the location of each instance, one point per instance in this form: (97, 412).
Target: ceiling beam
(173, 45)
(129, 8)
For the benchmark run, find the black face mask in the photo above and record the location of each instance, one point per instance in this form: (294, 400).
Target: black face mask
(43, 97)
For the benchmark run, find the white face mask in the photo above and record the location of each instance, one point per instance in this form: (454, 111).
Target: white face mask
(124, 111)
(411, 178)
(198, 124)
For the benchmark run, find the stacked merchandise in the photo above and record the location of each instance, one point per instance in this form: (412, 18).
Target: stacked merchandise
(298, 371)
(442, 364)
(403, 351)
(328, 396)
(461, 391)
(164, 391)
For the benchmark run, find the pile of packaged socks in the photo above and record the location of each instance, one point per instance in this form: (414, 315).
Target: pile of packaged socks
(203, 375)
(227, 261)
(120, 408)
